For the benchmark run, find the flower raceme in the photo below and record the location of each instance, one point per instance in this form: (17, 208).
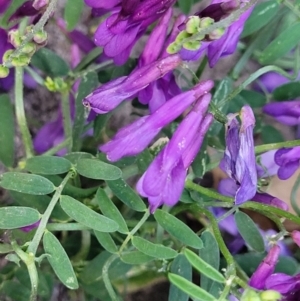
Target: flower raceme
(163, 181)
(239, 157)
(134, 138)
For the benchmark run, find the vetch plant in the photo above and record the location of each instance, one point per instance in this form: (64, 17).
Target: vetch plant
(169, 121)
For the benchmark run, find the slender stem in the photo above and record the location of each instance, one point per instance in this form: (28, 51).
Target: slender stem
(93, 68)
(106, 279)
(85, 246)
(57, 148)
(201, 67)
(20, 112)
(208, 192)
(67, 120)
(294, 196)
(266, 147)
(33, 246)
(66, 227)
(134, 230)
(39, 25)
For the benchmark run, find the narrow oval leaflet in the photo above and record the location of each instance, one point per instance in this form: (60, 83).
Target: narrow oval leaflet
(136, 257)
(203, 267)
(190, 288)
(126, 194)
(86, 216)
(16, 217)
(59, 261)
(48, 165)
(154, 250)
(109, 209)
(26, 183)
(178, 229)
(98, 170)
(106, 241)
(249, 231)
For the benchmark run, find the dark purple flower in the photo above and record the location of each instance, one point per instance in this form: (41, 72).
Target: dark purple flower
(288, 160)
(163, 181)
(285, 112)
(135, 137)
(30, 227)
(111, 94)
(239, 158)
(4, 4)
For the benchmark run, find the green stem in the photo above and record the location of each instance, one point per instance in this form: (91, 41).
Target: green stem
(106, 279)
(33, 246)
(294, 196)
(38, 26)
(20, 112)
(66, 112)
(292, 7)
(57, 148)
(85, 246)
(134, 230)
(208, 192)
(92, 69)
(266, 147)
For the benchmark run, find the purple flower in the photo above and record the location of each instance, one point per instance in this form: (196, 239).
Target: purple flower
(270, 81)
(111, 94)
(239, 158)
(296, 237)
(266, 166)
(4, 4)
(129, 20)
(135, 137)
(285, 112)
(227, 43)
(163, 181)
(288, 160)
(30, 227)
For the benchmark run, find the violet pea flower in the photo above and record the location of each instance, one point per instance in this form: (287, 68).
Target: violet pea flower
(134, 138)
(239, 157)
(30, 227)
(163, 181)
(4, 4)
(110, 95)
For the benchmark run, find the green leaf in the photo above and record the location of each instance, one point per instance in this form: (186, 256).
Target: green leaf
(203, 267)
(72, 13)
(87, 84)
(50, 63)
(270, 134)
(5, 248)
(48, 165)
(143, 160)
(8, 289)
(4, 20)
(254, 99)
(26, 183)
(287, 91)
(126, 194)
(190, 288)
(136, 257)
(59, 261)
(210, 253)
(185, 5)
(106, 241)
(151, 249)
(178, 229)
(285, 42)
(99, 124)
(86, 216)
(261, 15)
(75, 156)
(17, 217)
(98, 170)
(249, 231)
(7, 131)
(180, 266)
(110, 210)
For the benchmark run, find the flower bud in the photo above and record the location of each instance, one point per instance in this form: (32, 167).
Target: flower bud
(173, 48)
(193, 24)
(270, 295)
(6, 55)
(206, 22)
(29, 48)
(41, 37)
(21, 60)
(14, 37)
(192, 45)
(56, 84)
(216, 34)
(4, 71)
(181, 36)
(250, 295)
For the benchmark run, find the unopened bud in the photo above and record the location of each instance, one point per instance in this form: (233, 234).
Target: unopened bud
(41, 37)
(192, 45)
(6, 55)
(173, 48)
(4, 71)
(14, 38)
(29, 48)
(193, 24)
(181, 36)
(216, 34)
(20, 61)
(250, 295)
(56, 84)
(270, 295)
(206, 21)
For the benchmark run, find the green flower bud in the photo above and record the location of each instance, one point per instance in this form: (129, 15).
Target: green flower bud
(14, 37)
(4, 71)
(193, 24)
(216, 34)
(56, 84)
(270, 295)
(21, 60)
(41, 37)
(181, 36)
(29, 48)
(6, 55)
(192, 45)
(250, 295)
(173, 48)
(206, 21)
